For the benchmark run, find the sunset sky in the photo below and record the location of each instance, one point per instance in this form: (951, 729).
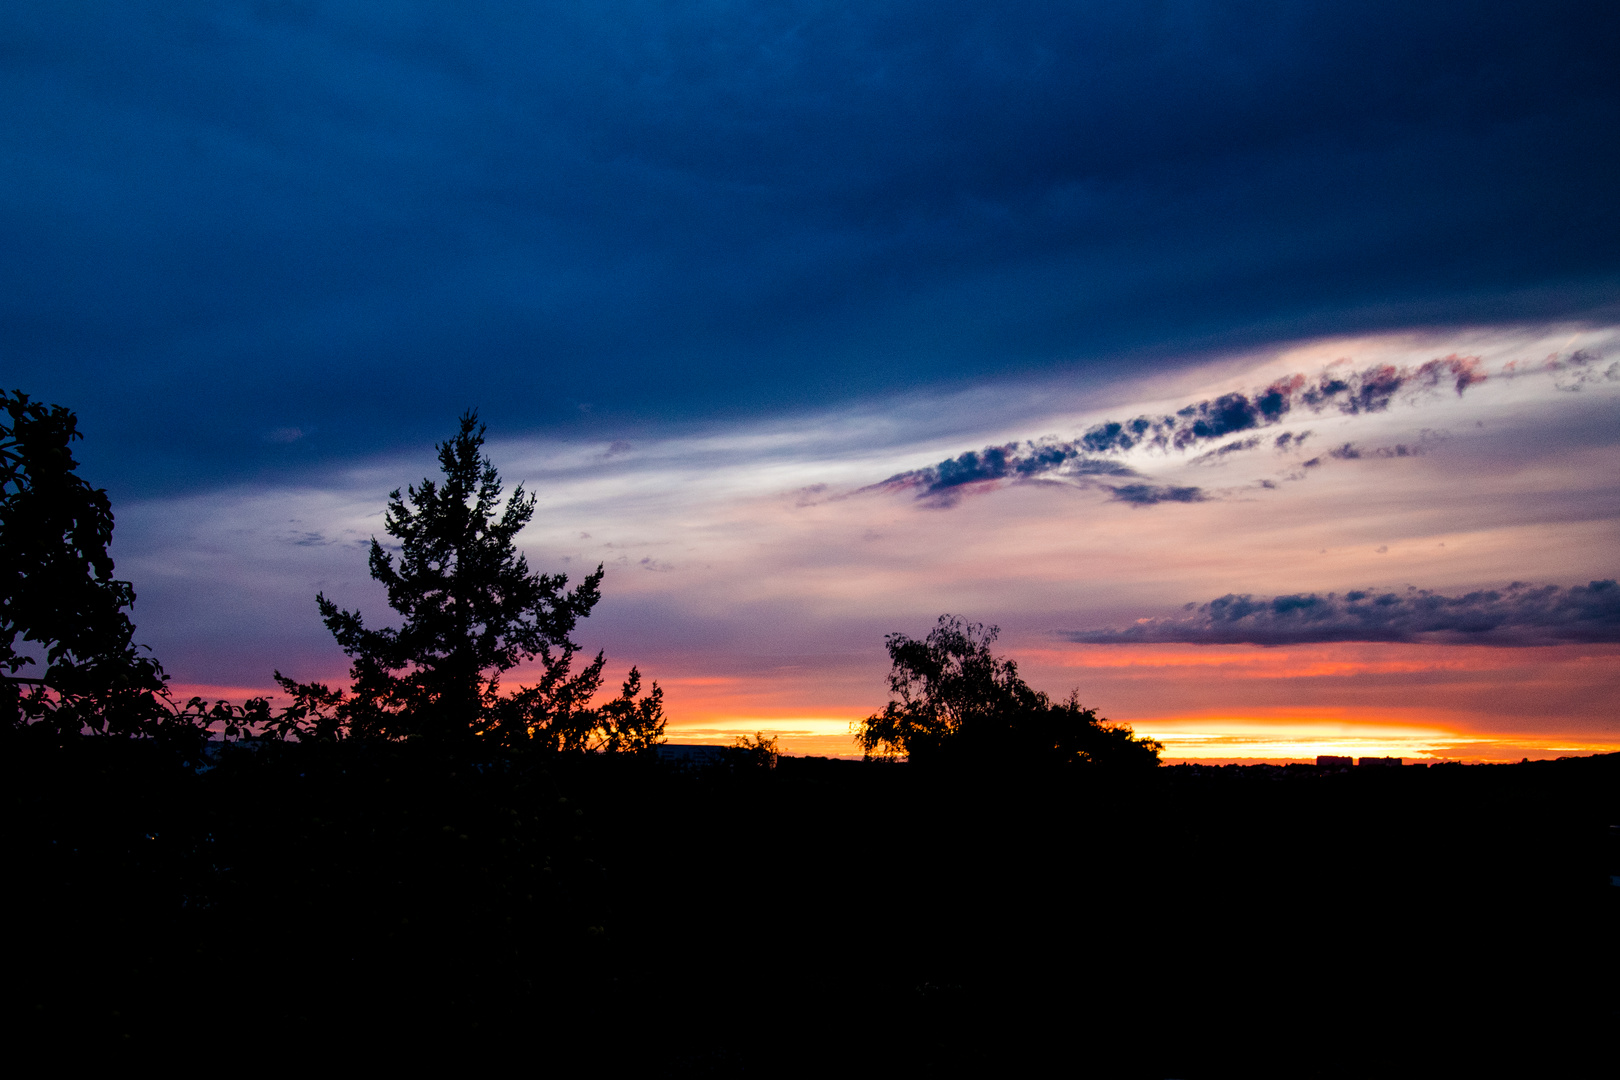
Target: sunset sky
(1255, 368)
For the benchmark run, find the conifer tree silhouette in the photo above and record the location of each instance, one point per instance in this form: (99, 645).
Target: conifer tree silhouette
(471, 611)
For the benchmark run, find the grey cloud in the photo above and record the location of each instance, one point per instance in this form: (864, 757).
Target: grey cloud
(1289, 440)
(1519, 614)
(810, 496)
(1351, 393)
(1153, 494)
(1038, 460)
(1235, 447)
(1370, 390)
(1579, 370)
(1351, 452)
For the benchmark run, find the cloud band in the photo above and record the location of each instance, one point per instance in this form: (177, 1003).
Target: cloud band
(1520, 614)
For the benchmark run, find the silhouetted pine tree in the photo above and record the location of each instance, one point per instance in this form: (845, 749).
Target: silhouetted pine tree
(471, 611)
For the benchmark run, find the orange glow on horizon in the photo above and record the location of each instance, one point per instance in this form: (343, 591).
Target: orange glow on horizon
(1209, 740)
(1205, 703)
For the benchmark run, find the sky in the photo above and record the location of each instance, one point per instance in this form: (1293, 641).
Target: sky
(1252, 366)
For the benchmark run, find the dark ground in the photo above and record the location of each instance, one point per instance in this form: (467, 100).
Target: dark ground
(604, 916)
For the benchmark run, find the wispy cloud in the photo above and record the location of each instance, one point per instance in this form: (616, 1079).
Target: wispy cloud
(1237, 446)
(1338, 389)
(1519, 614)
(1333, 390)
(1153, 494)
(1047, 459)
(1095, 453)
(1571, 373)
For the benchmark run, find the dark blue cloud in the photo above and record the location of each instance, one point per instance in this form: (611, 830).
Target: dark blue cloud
(1349, 392)
(1517, 615)
(1081, 460)
(223, 221)
(1047, 459)
(1154, 494)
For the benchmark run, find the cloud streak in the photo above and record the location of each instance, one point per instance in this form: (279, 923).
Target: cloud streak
(1154, 494)
(1350, 393)
(1047, 459)
(1081, 460)
(1518, 615)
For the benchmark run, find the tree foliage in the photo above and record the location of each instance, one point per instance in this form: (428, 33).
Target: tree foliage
(755, 752)
(67, 652)
(471, 611)
(952, 699)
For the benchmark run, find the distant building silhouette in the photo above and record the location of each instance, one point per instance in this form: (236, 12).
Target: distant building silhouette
(690, 756)
(1329, 761)
(1379, 762)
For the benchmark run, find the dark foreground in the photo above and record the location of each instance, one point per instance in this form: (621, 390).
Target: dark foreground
(605, 916)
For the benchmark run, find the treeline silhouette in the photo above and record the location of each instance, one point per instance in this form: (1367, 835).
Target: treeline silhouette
(424, 862)
(470, 611)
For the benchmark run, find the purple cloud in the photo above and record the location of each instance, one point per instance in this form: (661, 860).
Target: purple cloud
(1520, 614)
